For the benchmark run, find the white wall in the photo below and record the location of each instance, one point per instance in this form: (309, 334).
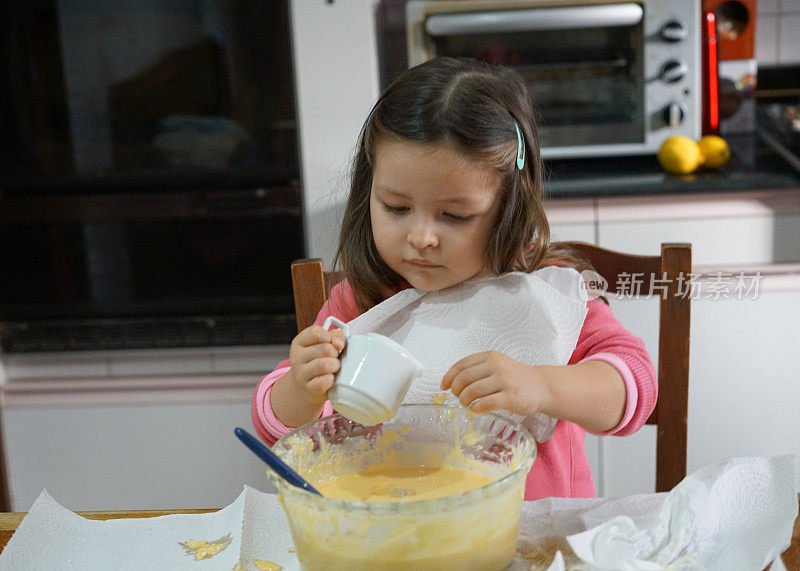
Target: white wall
(336, 74)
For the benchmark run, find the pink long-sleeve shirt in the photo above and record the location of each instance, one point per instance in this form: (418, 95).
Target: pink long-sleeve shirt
(561, 468)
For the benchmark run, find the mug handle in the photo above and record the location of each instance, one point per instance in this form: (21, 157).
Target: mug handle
(338, 323)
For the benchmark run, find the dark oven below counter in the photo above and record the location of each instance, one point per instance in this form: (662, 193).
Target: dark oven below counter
(148, 269)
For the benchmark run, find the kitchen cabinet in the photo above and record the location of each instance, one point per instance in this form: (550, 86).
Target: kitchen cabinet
(743, 391)
(132, 429)
(751, 228)
(572, 220)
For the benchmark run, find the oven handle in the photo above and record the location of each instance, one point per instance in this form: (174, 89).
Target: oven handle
(534, 19)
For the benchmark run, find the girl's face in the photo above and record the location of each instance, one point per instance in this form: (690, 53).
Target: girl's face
(432, 212)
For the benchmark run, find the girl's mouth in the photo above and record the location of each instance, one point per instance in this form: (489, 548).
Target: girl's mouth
(422, 263)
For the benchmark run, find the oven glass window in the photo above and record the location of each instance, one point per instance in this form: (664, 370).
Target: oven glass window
(587, 83)
(149, 174)
(148, 89)
(101, 256)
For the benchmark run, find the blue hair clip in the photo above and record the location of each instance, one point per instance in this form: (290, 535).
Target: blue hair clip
(520, 147)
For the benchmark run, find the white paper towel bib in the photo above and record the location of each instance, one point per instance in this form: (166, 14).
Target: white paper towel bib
(534, 318)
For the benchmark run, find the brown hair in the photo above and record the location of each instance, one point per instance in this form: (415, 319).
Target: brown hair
(473, 107)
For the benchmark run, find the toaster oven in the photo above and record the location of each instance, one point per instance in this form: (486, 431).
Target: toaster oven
(606, 78)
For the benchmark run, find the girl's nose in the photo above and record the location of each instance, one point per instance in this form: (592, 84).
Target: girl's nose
(423, 235)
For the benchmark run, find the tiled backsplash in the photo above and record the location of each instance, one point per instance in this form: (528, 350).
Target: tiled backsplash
(778, 32)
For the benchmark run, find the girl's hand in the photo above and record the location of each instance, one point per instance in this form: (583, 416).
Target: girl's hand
(591, 394)
(314, 358)
(492, 380)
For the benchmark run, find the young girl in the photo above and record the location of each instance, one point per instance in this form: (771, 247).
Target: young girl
(446, 187)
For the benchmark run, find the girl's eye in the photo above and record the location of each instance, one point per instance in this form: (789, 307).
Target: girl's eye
(458, 217)
(394, 209)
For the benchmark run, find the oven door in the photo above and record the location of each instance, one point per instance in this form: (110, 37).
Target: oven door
(583, 64)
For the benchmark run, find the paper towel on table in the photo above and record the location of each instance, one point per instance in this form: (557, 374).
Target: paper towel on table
(535, 318)
(734, 514)
(53, 537)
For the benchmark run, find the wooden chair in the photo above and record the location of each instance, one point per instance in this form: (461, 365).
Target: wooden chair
(670, 271)
(672, 409)
(5, 496)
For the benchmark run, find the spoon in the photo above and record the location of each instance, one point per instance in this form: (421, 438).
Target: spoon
(273, 461)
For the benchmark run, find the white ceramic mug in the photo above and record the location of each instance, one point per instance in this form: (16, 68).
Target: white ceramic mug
(374, 377)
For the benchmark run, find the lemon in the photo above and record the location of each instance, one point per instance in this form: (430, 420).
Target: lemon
(680, 155)
(715, 150)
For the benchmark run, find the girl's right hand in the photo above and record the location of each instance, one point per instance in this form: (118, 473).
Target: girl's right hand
(314, 359)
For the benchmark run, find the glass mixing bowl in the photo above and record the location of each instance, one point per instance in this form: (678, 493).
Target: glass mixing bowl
(476, 529)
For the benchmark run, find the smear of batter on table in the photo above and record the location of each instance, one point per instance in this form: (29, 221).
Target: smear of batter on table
(202, 549)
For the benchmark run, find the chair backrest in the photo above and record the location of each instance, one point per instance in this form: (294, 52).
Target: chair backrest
(666, 275)
(5, 496)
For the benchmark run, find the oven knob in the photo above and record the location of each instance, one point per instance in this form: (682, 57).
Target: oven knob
(674, 113)
(674, 31)
(674, 70)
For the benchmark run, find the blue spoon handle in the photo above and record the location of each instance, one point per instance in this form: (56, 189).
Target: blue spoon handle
(273, 461)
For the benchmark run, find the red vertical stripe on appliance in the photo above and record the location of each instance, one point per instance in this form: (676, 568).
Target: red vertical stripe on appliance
(712, 99)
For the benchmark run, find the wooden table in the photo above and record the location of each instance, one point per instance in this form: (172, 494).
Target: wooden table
(10, 521)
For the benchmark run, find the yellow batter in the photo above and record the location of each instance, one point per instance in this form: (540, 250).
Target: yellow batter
(393, 531)
(202, 549)
(383, 483)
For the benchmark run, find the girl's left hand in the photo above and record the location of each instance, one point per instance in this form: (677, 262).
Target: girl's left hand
(492, 380)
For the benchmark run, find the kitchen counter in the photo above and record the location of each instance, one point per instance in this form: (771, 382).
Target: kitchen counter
(758, 162)
(762, 160)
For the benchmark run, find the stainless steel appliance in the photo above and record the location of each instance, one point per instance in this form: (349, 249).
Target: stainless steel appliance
(607, 78)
